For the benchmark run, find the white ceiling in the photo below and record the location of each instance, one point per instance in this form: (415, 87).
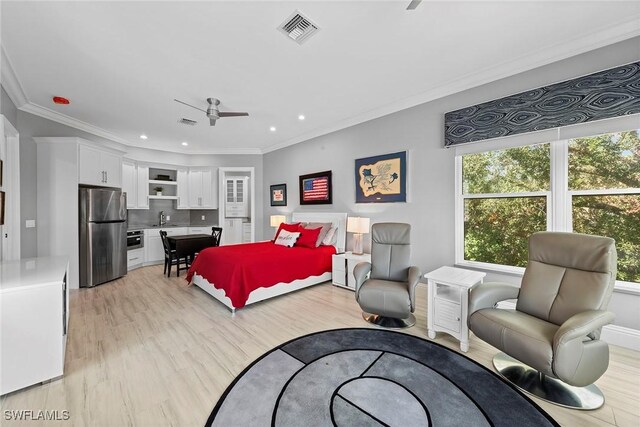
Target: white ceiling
(122, 63)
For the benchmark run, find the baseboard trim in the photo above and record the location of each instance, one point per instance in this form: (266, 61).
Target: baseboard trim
(612, 334)
(621, 336)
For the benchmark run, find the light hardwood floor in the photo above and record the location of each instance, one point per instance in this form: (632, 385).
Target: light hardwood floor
(146, 350)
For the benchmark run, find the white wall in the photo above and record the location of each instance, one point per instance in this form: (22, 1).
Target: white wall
(431, 167)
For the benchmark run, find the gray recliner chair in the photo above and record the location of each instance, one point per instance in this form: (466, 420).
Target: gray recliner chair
(388, 296)
(552, 338)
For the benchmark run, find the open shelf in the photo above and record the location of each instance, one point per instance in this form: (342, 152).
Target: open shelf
(160, 182)
(163, 197)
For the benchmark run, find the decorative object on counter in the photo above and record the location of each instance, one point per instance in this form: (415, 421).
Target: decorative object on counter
(315, 188)
(358, 226)
(382, 179)
(158, 191)
(278, 195)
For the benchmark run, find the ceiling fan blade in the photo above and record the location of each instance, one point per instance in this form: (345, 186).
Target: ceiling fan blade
(413, 4)
(232, 114)
(189, 105)
(212, 121)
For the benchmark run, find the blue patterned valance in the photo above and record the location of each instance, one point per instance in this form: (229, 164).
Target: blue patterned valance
(610, 93)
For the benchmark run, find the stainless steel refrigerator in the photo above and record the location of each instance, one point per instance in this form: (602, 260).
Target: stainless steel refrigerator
(103, 235)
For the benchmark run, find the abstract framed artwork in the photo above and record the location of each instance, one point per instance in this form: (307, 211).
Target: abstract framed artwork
(315, 188)
(382, 179)
(278, 194)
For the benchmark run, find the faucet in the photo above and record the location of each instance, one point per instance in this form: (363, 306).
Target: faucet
(162, 219)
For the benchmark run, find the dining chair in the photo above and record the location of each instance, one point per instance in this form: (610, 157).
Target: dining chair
(216, 232)
(170, 256)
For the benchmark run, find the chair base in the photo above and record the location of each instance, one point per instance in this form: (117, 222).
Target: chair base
(547, 388)
(389, 322)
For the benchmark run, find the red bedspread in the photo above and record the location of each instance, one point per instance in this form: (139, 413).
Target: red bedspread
(240, 269)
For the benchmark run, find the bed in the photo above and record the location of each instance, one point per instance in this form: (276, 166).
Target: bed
(248, 273)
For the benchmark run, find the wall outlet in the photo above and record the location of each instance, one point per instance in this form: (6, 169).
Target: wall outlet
(30, 223)
(202, 218)
(168, 217)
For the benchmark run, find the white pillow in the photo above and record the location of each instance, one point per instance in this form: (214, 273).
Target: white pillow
(287, 238)
(331, 238)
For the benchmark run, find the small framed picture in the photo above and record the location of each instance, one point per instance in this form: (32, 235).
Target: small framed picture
(278, 195)
(315, 188)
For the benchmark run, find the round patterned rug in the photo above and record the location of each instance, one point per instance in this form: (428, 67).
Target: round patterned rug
(371, 377)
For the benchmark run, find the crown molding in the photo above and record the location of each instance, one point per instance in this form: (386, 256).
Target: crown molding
(10, 81)
(610, 35)
(55, 116)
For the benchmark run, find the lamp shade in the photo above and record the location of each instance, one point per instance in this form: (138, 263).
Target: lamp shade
(358, 225)
(276, 220)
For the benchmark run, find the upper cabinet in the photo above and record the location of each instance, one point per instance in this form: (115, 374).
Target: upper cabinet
(202, 188)
(191, 188)
(99, 167)
(236, 197)
(135, 180)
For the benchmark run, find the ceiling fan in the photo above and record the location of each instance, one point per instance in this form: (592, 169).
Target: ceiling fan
(213, 112)
(413, 4)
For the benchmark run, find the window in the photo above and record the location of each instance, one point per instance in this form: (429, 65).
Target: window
(506, 195)
(506, 199)
(604, 183)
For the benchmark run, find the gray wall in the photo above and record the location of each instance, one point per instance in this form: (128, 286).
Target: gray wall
(431, 167)
(8, 108)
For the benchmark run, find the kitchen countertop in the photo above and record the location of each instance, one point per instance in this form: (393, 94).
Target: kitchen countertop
(171, 225)
(28, 272)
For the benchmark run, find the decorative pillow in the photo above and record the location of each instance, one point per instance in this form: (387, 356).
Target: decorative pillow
(308, 237)
(324, 229)
(287, 238)
(331, 238)
(292, 228)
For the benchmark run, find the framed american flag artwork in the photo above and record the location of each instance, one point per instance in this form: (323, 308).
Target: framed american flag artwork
(315, 188)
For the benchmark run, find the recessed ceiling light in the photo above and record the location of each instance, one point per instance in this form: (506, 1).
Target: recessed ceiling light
(143, 136)
(272, 128)
(185, 143)
(301, 117)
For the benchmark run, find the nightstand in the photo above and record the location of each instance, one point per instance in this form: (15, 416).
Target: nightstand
(342, 271)
(448, 302)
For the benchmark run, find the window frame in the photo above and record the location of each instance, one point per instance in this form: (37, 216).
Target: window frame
(559, 205)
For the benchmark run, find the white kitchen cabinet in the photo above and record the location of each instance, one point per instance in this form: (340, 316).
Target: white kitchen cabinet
(236, 197)
(232, 231)
(202, 189)
(153, 249)
(142, 200)
(135, 258)
(98, 167)
(182, 178)
(34, 314)
(199, 230)
(246, 232)
(130, 183)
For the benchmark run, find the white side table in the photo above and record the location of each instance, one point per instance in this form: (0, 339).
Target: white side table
(343, 265)
(448, 303)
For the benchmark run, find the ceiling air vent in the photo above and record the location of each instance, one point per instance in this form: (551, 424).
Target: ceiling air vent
(298, 28)
(187, 122)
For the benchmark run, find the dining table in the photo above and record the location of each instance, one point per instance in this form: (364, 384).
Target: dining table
(189, 244)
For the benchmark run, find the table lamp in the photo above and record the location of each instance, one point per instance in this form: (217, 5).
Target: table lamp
(358, 226)
(276, 220)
